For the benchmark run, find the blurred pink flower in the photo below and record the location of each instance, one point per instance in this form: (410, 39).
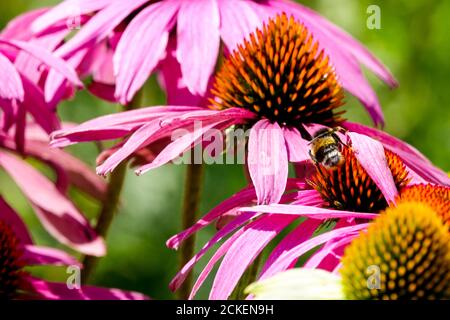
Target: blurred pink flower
(17, 252)
(49, 199)
(20, 95)
(182, 40)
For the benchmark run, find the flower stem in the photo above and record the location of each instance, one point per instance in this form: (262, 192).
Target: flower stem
(191, 202)
(247, 278)
(111, 202)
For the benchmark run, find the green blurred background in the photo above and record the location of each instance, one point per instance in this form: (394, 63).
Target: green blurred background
(413, 42)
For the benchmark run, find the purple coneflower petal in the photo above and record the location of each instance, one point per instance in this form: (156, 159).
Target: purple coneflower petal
(243, 19)
(285, 259)
(133, 67)
(267, 161)
(198, 42)
(370, 154)
(58, 215)
(60, 291)
(410, 155)
(244, 250)
(35, 255)
(297, 147)
(8, 215)
(11, 87)
(308, 211)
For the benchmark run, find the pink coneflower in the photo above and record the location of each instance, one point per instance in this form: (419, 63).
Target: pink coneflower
(281, 86)
(20, 95)
(59, 216)
(347, 195)
(18, 253)
(150, 30)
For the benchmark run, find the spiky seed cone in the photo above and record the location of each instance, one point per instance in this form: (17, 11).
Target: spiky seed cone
(280, 75)
(349, 187)
(437, 197)
(11, 265)
(410, 246)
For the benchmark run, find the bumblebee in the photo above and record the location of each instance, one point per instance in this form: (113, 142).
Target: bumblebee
(326, 147)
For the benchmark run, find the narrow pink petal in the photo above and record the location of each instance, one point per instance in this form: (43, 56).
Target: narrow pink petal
(198, 42)
(58, 215)
(297, 147)
(370, 154)
(35, 104)
(238, 19)
(103, 91)
(243, 197)
(222, 233)
(177, 147)
(289, 255)
(244, 250)
(8, 215)
(141, 47)
(66, 10)
(11, 87)
(60, 291)
(308, 211)
(300, 234)
(411, 156)
(34, 255)
(267, 161)
(18, 28)
(46, 57)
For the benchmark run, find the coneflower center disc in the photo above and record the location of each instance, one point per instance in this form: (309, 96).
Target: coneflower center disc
(349, 187)
(11, 264)
(405, 254)
(280, 74)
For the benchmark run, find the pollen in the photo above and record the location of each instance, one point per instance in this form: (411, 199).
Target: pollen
(437, 197)
(349, 186)
(405, 254)
(280, 74)
(11, 264)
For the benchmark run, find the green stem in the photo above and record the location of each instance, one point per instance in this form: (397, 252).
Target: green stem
(247, 278)
(111, 203)
(191, 202)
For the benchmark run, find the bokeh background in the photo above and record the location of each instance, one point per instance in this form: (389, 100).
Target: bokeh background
(413, 42)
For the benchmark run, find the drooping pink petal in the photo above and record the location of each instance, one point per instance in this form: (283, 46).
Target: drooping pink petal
(308, 211)
(410, 155)
(18, 28)
(198, 42)
(238, 19)
(66, 10)
(34, 255)
(60, 291)
(35, 104)
(11, 87)
(58, 215)
(370, 154)
(242, 197)
(8, 215)
(47, 58)
(222, 233)
(171, 80)
(297, 147)
(301, 233)
(289, 255)
(244, 250)
(267, 161)
(132, 67)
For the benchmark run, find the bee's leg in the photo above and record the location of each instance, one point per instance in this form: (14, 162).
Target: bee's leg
(313, 158)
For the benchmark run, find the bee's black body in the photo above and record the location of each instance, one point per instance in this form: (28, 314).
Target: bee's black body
(326, 148)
